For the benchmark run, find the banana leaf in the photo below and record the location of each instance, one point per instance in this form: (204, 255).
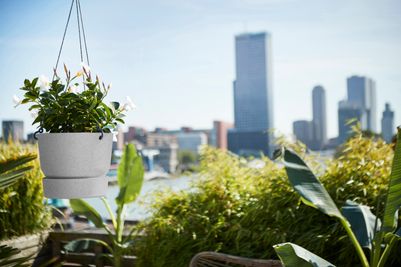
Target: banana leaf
(81, 207)
(307, 185)
(362, 222)
(393, 202)
(294, 255)
(129, 176)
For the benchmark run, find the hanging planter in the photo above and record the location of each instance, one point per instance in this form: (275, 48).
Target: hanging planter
(74, 127)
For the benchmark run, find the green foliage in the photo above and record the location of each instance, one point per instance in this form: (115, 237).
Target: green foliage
(186, 157)
(9, 175)
(130, 179)
(244, 211)
(22, 210)
(61, 108)
(313, 194)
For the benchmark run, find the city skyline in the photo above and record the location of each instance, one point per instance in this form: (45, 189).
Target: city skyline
(188, 48)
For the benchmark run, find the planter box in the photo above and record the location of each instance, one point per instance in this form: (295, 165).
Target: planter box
(75, 164)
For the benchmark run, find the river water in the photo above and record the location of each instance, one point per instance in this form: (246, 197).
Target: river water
(138, 210)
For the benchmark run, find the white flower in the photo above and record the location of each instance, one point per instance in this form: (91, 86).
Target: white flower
(129, 105)
(44, 83)
(34, 114)
(73, 89)
(16, 100)
(86, 68)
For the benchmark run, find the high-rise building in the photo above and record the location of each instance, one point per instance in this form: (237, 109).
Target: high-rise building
(253, 99)
(319, 120)
(303, 130)
(348, 115)
(13, 130)
(362, 93)
(388, 124)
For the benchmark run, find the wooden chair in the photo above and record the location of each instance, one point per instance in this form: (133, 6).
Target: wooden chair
(215, 259)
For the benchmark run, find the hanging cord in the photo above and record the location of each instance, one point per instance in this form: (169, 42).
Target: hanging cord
(83, 32)
(62, 42)
(79, 31)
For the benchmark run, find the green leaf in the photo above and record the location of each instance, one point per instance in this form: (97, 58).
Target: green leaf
(115, 105)
(130, 175)
(294, 255)
(362, 222)
(81, 207)
(10, 164)
(308, 186)
(393, 202)
(11, 177)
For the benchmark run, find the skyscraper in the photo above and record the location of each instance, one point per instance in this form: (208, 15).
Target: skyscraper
(346, 112)
(319, 120)
(362, 93)
(253, 108)
(388, 124)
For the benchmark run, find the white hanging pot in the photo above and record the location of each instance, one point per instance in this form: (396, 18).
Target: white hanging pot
(75, 164)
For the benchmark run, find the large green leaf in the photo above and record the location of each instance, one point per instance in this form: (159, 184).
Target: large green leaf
(81, 207)
(294, 255)
(307, 185)
(393, 202)
(362, 222)
(130, 175)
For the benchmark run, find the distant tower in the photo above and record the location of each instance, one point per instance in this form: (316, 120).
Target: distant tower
(319, 120)
(362, 94)
(346, 112)
(253, 103)
(303, 130)
(388, 124)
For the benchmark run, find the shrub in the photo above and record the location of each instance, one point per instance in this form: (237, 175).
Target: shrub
(22, 210)
(244, 211)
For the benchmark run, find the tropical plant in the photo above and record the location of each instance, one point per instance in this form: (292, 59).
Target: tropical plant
(130, 178)
(237, 209)
(59, 107)
(364, 229)
(22, 209)
(11, 171)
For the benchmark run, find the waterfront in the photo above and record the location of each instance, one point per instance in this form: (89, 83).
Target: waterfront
(138, 210)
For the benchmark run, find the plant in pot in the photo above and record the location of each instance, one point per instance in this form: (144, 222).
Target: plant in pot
(74, 131)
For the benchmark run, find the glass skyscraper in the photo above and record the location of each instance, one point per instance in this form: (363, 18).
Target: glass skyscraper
(253, 108)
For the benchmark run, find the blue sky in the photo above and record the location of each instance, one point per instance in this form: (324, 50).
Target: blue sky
(176, 58)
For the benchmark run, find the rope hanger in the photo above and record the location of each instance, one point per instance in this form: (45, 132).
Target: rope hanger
(81, 34)
(82, 40)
